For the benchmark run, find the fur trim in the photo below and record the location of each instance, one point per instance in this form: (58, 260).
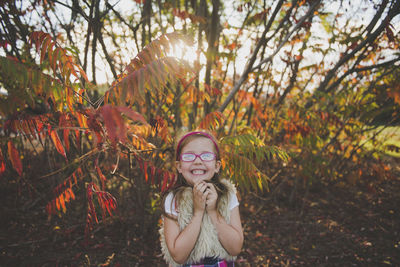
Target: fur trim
(207, 242)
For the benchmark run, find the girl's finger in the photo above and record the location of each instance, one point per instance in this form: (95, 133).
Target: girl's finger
(212, 187)
(205, 195)
(197, 186)
(200, 185)
(200, 188)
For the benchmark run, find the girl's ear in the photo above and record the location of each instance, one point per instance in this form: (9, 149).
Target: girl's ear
(217, 166)
(178, 166)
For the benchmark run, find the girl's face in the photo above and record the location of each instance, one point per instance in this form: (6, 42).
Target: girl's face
(198, 170)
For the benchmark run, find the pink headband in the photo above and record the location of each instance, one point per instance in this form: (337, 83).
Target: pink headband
(193, 133)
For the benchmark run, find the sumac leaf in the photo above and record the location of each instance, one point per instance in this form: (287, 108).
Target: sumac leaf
(2, 164)
(114, 123)
(133, 115)
(14, 157)
(57, 143)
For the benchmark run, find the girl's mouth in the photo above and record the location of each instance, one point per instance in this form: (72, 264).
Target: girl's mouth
(198, 172)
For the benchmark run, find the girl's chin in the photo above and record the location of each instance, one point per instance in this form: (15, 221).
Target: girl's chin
(199, 178)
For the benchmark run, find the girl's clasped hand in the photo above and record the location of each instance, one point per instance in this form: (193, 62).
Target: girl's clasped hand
(205, 196)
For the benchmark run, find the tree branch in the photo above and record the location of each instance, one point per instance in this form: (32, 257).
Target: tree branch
(249, 66)
(395, 10)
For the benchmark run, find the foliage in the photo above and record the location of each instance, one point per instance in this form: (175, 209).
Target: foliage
(304, 105)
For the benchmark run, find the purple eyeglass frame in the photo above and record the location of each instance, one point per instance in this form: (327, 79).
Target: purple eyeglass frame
(194, 133)
(198, 156)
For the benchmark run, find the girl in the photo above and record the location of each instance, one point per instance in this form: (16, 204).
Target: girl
(201, 224)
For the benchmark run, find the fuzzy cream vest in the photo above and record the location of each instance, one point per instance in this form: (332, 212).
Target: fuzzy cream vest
(207, 244)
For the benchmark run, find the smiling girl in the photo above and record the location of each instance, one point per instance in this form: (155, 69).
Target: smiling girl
(201, 222)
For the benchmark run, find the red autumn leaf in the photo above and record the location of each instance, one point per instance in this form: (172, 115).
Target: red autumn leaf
(153, 173)
(39, 127)
(74, 176)
(106, 201)
(57, 143)
(165, 181)
(48, 208)
(45, 45)
(114, 123)
(15, 158)
(2, 164)
(4, 44)
(101, 175)
(133, 115)
(89, 193)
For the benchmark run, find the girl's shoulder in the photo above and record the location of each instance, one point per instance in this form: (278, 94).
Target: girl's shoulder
(231, 193)
(170, 204)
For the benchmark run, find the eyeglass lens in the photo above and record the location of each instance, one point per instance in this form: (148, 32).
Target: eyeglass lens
(207, 156)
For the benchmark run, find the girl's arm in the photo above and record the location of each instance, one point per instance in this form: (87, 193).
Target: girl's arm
(181, 243)
(230, 235)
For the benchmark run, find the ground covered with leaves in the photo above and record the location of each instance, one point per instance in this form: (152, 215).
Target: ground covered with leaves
(324, 225)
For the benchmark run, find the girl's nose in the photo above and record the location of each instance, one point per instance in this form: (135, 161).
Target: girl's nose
(197, 160)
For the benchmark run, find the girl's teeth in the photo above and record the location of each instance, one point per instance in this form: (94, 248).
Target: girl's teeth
(198, 172)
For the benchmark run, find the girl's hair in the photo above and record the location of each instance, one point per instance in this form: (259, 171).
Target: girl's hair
(181, 181)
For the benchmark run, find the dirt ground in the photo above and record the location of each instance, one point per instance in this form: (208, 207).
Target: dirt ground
(329, 225)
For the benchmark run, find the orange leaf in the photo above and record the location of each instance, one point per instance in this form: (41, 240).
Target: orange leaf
(67, 195)
(15, 158)
(58, 203)
(71, 193)
(45, 45)
(69, 98)
(212, 120)
(57, 142)
(66, 138)
(78, 139)
(145, 171)
(62, 203)
(80, 94)
(55, 56)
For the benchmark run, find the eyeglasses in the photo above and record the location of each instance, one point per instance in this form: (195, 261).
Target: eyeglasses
(205, 156)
